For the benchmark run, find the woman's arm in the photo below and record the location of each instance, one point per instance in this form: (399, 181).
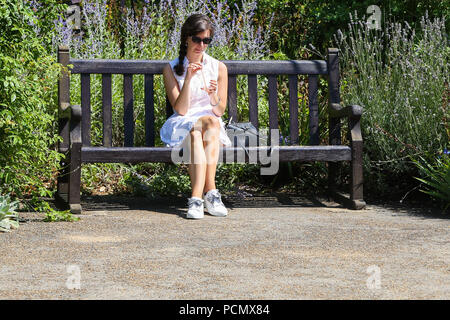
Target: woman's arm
(222, 92)
(180, 100)
(173, 91)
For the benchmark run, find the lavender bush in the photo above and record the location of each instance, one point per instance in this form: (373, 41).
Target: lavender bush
(401, 79)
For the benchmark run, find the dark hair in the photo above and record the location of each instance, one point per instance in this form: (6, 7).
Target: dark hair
(193, 25)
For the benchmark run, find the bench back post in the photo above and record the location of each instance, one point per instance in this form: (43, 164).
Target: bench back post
(333, 91)
(334, 122)
(63, 96)
(63, 122)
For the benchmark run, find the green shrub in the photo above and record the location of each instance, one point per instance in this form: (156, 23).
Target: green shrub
(7, 213)
(28, 159)
(436, 178)
(297, 23)
(400, 79)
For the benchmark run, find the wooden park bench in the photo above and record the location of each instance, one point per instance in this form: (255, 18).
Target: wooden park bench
(75, 120)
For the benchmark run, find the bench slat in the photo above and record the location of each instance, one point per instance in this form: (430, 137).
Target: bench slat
(277, 67)
(107, 110)
(293, 109)
(163, 154)
(315, 153)
(232, 97)
(253, 99)
(128, 117)
(116, 66)
(313, 110)
(149, 111)
(273, 102)
(86, 109)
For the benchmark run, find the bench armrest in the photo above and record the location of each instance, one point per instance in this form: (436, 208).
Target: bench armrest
(75, 124)
(64, 111)
(69, 111)
(75, 112)
(351, 111)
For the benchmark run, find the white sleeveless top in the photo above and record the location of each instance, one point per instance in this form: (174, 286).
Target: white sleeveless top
(177, 127)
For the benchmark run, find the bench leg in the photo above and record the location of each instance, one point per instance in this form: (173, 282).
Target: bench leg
(356, 177)
(62, 187)
(355, 200)
(75, 179)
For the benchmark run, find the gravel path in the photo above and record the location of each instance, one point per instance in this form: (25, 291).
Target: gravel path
(267, 248)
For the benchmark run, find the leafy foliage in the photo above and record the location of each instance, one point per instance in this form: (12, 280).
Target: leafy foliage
(296, 24)
(27, 103)
(52, 215)
(28, 74)
(400, 77)
(7, 213)
(436, 178)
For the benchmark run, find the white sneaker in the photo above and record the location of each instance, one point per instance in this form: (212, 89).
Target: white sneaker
(214, 204)
(195, 210)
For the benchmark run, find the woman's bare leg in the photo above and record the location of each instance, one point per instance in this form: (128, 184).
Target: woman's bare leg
(204, 155)
(197, 166)
(211, 147)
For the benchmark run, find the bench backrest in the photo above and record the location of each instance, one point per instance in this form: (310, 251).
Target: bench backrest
(149, 68)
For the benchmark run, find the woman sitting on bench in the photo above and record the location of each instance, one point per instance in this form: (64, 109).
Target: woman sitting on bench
(196, 122)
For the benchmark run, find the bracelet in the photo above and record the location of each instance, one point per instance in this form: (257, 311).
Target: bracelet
(215, 105)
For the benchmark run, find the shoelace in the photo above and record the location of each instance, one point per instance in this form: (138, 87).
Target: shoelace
(215, 197)
(195, 202)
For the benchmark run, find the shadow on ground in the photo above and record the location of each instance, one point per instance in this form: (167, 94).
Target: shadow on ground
(111, 202)
(177, 204)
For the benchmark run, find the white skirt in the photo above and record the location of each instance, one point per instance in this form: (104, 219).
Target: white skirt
(177, 127)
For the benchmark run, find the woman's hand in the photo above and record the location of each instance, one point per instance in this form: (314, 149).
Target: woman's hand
(212, 92)
(192, 68)
(212, 88)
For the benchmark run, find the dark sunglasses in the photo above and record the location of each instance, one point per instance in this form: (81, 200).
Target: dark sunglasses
(199, 40)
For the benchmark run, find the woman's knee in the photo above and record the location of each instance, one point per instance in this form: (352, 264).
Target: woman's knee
(210, 122)
(196, 135)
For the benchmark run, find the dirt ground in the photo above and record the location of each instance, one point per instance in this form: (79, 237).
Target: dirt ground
(267, 248)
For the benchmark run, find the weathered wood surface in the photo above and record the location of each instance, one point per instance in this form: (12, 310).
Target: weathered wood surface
(63, 122)
(253, 99)
(107, 110)
(234, 67)
(232, 97)
(313, 87)
(293, 109)
(74, 159)
(163, 154)
(337, 111)
(63, 96)
(273, 102)
(334, 124)
(128, 115)
(149, 111)
(86, 108)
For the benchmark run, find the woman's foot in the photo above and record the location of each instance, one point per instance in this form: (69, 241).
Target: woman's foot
(214, 204)
(195, 208)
